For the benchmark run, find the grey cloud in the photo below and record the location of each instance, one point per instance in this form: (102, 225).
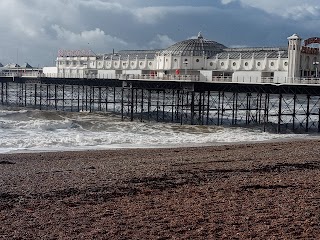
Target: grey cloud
(36, 29)
(291, 9)
(161, 42)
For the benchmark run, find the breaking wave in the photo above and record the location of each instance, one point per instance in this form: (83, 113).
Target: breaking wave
(33, 130)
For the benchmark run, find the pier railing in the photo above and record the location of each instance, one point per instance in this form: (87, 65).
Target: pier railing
(168, 77)
(307, 80)
(190, 78)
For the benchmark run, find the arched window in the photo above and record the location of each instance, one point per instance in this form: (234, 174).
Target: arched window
(307, 62)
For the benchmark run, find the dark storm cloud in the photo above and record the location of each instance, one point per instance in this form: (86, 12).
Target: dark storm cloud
(36, 29)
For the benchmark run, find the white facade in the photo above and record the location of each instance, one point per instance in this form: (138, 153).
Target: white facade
(199, 60)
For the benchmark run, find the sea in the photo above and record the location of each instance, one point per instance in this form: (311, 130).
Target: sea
(29, 130)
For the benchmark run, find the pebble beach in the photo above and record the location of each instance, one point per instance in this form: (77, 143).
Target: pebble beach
(244, 191)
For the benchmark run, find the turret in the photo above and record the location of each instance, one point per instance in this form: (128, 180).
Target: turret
(294, 52)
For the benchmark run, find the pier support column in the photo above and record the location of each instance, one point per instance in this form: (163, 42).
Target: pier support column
(132, 102)
(248, 108)
(279, 113)
(114, 99)
(172, 105)
(2, 93)
(200, 109)
(149, 103)
(308, 113)
(7, 93)
(222, 108)
(142, 110)
(25, 94)
(266, 111)
(181, 107)
(208, 107)
(158, 99)
(40, 97)
(78, 98)
(122, 102)
(63, 96)
(35, 94)
(233, 108)
(99, 99)
(192, 108)
(163, 105)
(260, 107)
(294, 112)
(218, 108)
(107, 98)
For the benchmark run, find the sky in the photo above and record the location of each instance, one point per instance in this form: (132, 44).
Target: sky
(34, 30)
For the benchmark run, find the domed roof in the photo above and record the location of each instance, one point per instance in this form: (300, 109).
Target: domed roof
(194, 47)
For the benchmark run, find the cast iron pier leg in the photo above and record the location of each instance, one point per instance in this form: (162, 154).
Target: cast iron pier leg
(279, 114)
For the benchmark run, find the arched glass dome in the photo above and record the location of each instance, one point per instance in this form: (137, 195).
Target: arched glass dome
(194, 47)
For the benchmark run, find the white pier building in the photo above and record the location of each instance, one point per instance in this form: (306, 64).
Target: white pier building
(198, 59)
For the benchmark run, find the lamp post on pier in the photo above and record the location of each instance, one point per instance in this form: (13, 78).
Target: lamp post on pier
(186, 66)
(316, 68)
(124, 66)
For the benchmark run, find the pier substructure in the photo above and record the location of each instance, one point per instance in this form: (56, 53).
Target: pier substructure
(278, 108)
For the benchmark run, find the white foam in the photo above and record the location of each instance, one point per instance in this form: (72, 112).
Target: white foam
(47, 131)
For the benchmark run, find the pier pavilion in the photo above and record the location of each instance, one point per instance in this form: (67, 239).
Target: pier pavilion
(198, 59)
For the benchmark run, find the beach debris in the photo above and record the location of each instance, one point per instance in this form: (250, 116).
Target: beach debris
(7, 163)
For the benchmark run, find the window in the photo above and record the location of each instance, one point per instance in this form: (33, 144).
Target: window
(175, 60)
(197, 60)
(246, 64)
(150, 63)
(222, 64)
(211, 64)
(141, 63)
(286, 63)
(132, 63)
(234, 64)
(259, 64)
(272, 64)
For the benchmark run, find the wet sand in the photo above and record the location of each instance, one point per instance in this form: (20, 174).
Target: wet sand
(243, 191)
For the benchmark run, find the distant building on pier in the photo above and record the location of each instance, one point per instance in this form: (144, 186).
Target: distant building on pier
(206, 60)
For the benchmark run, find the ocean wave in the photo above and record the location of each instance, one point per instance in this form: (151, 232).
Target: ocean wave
(25, 130)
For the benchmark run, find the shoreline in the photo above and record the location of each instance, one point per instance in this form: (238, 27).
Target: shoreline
(167, 146)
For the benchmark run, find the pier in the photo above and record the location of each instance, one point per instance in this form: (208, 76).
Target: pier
(271, 107)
